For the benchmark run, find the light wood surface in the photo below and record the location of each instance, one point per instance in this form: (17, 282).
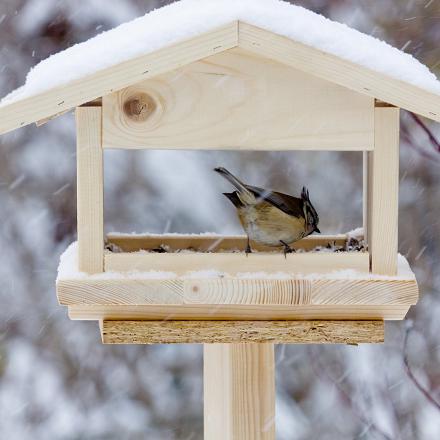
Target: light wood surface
(213, 243)
(258, 41)
(90, 189)
(259, 104)
(105, 81)
(345, 73)
(233, 263)
(383, 196)
(366, 192)
(212, 292)
(234, 332)
(237, 312)
(239, 392)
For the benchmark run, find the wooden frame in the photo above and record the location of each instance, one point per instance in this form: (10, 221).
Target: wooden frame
(90, 189)
(312, 297)
(383, 192)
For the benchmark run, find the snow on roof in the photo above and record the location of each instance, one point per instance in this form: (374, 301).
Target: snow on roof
(189, 18)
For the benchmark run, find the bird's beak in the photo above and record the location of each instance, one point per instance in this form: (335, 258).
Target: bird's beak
(317, 230)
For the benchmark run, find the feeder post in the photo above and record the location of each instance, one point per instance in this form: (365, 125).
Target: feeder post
(239, 391)
(90, 189)
(381, 191)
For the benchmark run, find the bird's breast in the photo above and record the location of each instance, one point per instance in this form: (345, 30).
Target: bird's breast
(266, 224)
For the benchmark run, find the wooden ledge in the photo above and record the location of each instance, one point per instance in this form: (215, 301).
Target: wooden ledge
(208, 332)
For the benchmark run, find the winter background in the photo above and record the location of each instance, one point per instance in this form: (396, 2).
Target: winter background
(56, 379)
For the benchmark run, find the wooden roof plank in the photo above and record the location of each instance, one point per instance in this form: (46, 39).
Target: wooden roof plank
(65, 97)
(339, 71)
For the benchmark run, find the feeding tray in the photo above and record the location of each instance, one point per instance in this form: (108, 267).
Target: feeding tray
(209, 277)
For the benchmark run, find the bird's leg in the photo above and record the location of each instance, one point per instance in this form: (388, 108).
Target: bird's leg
(248, 247)
(287, 248)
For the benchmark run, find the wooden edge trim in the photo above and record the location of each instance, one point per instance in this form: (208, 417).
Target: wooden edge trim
(84, 312)
(210, 332)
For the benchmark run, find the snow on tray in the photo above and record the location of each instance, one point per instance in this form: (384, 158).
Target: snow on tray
(188, 18)
(68, 270)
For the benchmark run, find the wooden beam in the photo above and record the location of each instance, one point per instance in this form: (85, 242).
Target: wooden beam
(239, 392)
(234, 332)
(383, 192)
(212, 292)
(105, 81)
(237, 312)
(346, 73)
(233, 263)
(260, 104)
(90, 189)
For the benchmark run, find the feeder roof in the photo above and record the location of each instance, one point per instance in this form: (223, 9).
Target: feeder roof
(190, 30)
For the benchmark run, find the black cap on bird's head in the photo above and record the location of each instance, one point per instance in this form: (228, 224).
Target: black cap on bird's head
(310, 213)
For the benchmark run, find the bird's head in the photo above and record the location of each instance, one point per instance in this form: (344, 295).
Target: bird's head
(310, 214)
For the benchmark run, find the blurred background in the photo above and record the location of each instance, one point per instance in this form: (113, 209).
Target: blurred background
(56, 379)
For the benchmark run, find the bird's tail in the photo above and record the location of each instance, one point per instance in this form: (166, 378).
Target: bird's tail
(232, 179)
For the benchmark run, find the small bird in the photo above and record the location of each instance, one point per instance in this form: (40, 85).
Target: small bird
(271, 218)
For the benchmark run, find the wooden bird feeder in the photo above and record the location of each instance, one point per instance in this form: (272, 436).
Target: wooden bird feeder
(184, 96)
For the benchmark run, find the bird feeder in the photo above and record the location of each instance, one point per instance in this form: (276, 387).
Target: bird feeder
(235, 86)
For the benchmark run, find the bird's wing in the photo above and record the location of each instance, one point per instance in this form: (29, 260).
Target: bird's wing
(288, 204)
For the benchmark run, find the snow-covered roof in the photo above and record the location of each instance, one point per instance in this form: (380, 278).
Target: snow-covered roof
(187, 19)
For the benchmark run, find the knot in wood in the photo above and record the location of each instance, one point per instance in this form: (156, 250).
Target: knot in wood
(140, 107)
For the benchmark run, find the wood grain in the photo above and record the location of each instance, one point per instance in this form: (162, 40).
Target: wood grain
(111, 79)
(384, 192)
(239, 392)
(233, 263)
(259, 104)
(237, 312)
(337, 70)
(234, 332)
(213, 292)
(90, 189)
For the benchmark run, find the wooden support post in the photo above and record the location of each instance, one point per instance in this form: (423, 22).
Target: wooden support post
(366, 202)
(382, 195)
(239, 392)
(90, 189)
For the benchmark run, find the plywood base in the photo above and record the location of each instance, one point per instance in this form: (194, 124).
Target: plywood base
(279, 332)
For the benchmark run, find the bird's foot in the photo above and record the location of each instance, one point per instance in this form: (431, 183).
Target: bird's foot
(287, 248)
(248, 249)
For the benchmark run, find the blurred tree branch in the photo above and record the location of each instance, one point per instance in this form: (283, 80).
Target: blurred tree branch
(410, 373)
(321, 371)
(435, 142)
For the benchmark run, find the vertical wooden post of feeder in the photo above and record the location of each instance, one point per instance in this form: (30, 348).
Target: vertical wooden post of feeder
(239, 391)
(381, 191)
(90, 189)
